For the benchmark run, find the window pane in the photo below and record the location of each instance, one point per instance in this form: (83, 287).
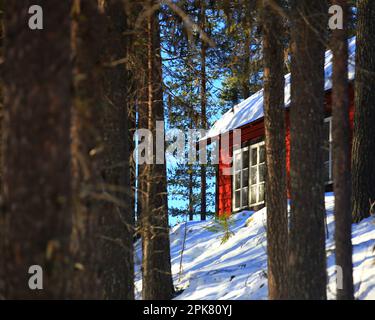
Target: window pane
(245, 197)
(254, 173)
(237, 161)
(245, 178)
(237, 183)
(262, 173)
(254, 156)
(261, 192)
(262, 154)
(245, 159)
(237, 199)
(253, 195)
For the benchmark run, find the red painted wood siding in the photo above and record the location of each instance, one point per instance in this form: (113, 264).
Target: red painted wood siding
(254, 131)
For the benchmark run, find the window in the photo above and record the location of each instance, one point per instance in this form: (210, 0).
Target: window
(257, 173)
(328, 175)
(241, 179)
(250, 171)
(249, 176)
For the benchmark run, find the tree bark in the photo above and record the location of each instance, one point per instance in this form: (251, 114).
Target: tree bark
(276, 185)
(191, 193)
(203, 97)
(87, 40)
(103, 220)
(1, 87)
(2, 226)
(307, 258)
(37, 167)
(157, 279)
(363, 153)
(118, 225)
(341, 156)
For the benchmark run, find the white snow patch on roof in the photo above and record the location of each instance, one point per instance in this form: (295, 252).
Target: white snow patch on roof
(251, 109)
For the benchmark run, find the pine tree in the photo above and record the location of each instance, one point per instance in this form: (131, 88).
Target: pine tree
(37, 170)
(274, 120)
(156, 263)
(1, 82)
(118, 227)
(103, 230)
(307, 260)
(341, 156)
(363, 153)
(241, 51)
(2, 237)
(203, 102)
(190, 71)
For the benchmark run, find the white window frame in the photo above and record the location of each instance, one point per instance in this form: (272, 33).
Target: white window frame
(236, 170)
(256, 146)
(330, 156)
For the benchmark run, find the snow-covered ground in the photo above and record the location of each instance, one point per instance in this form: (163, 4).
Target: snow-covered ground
(237, 268)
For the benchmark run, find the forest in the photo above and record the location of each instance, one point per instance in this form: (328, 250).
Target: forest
(187, 149)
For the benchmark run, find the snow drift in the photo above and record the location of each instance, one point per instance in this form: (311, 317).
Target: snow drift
(237, 268)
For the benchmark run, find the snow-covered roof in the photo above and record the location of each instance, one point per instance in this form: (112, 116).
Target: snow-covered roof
(251, 109)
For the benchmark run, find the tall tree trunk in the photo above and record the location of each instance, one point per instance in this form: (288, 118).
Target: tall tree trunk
(87, 40)
(157, 279)
(307, 258)
(363, 153)
(191, 195)
(2, 226)
(341, 156)
(1, 89)
(142, 123)
(133, 166)
(37, 171)
(203, 97)
(134, 90)
(103, 220)
(117, 222)
(142, 113)
(274, 120)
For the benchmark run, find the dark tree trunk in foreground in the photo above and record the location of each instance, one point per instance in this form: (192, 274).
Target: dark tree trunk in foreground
(157, 280)
(2, 231)
(37, 171)
(103, 237)
(1, 88)
(117, 223)
(203, 97)
(341, 156)
(363, 153)
(87, 39)
(307, 258)
(274, 119)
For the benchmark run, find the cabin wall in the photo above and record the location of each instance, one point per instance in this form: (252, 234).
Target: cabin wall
(250, 134)
(224, 196)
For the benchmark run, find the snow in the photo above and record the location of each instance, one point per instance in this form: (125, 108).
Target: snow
(237, 269)
(251, 109)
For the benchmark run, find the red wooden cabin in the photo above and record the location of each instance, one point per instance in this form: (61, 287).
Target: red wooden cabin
(244, 188)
